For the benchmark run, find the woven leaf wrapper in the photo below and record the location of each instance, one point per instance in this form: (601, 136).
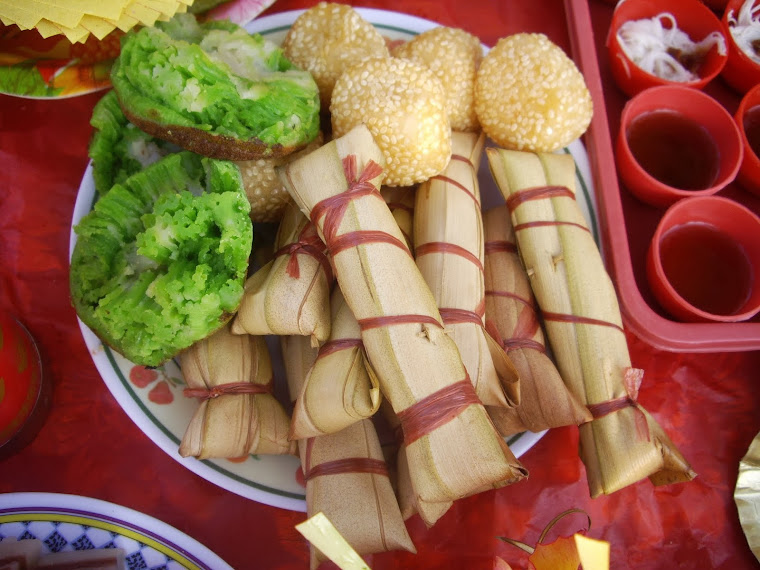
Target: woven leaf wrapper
(346, 474)
(340, 388)
(291, 293)
(452, 447)
(511, 310)
(624, 443)
(238, 415)
(400, 200)
(408, 500)
(448, 238)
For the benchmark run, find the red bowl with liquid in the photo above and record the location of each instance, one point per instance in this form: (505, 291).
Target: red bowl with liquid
(741, 72)
(691, 16)
(748, 120)
(25, 394)
(676, 142)
(704, 261)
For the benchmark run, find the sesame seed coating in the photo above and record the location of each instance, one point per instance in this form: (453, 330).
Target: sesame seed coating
(403, 106)
(454, 56)
(265, 192)
(327, 39)
(530, 96)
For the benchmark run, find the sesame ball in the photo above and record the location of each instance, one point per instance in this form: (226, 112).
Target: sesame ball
(453, 56)
(403, 106)
(265, 192)
(530, 96)
(327, 39)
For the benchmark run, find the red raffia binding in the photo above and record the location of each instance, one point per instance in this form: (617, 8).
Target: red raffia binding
(575, 319)
(540, 224)
(457, 316)
(446, 247)
(338, 466)
(334, 207)
(538, 193)
(338, 344)
(231, 389)
(309, 244)
(499, 246)
(453, 182)
(352, 239)
(464, 159)
(516, 342)
(387, 320)
(632, 378)
(437, 409)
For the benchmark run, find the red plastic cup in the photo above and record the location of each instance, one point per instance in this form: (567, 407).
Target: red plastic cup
(692, 17)
(24, 394)
(695, 106)
(704, 259)
(749, 172)
(740, 71)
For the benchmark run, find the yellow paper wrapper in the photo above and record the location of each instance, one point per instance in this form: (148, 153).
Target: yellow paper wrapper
(77, 19)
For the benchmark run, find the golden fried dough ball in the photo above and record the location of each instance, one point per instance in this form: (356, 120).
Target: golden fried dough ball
(263, 188)
(403, 106)
(327, 39)
(453, 55)
(530, 96)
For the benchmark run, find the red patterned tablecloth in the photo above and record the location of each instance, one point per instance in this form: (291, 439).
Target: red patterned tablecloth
(708, 403)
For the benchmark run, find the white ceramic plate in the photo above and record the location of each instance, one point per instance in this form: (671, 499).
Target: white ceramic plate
(71, 522)
(153, 399)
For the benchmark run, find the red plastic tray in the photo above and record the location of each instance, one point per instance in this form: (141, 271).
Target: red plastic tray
(626, 224)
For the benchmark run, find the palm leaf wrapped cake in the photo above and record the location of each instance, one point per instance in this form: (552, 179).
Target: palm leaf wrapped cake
(452, 447)
(623, 443)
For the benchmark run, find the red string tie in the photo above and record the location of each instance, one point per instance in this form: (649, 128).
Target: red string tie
(437, 409)
(308, 243)
(632, 378)
(231, 389)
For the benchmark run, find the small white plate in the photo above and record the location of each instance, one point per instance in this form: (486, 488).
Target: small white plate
(154, 400)
(70, 522)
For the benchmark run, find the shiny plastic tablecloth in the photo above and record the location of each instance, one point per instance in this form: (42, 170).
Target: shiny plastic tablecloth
(708, 403)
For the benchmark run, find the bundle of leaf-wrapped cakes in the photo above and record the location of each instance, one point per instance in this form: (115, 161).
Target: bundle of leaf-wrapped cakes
(401, 306)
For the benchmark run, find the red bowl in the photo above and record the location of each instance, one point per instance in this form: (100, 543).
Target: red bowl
(701, 109)
(749, 172)
(740, 71)
(692, 17)
(734, 224)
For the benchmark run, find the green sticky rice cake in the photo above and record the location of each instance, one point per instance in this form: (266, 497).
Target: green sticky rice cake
(117, 148)
(160, 261)
(215, 89)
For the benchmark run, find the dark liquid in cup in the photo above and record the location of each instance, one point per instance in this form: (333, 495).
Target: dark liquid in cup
(752, 128)
(674, 149)
(707, 268)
